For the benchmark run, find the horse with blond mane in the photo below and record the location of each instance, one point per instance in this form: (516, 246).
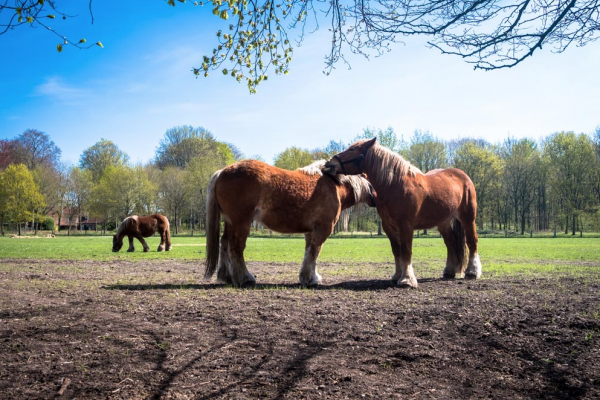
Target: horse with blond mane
(141, 227)
(301, 201)
(407, 200)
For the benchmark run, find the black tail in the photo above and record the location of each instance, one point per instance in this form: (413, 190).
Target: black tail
(460, 245)
(213, 228)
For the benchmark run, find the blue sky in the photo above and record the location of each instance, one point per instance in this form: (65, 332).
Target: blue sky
(140, 85)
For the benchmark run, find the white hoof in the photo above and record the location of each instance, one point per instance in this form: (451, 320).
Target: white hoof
(408, 283)
(310, 281)
(474, 268)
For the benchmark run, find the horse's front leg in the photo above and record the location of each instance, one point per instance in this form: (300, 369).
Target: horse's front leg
(404, 276)
(143, 242)
(308, 273)
(131, 248)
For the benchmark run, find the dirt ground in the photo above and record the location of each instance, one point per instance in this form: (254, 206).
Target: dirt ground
(155, 330)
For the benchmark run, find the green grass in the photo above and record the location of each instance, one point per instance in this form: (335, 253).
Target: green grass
(498, 252)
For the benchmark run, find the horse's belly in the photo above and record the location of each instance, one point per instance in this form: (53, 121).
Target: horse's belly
(281, 222)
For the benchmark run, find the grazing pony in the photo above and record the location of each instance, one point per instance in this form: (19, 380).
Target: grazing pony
(141, 227)
(301, 201)
(407, 200)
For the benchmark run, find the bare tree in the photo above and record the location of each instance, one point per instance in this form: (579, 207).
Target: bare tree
(35, 148)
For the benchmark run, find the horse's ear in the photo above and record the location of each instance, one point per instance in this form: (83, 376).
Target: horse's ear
(370, 142)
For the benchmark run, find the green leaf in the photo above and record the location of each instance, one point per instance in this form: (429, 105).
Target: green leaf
(224, 15)
(30, 19)
(82, 41)
(171, 3)
(19, 11)
(51, 16)
(41, 2)
(59, 47)
(100, 44)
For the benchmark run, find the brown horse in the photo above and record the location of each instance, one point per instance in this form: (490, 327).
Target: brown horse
(141, 227)
(302, 201)
(407, 200)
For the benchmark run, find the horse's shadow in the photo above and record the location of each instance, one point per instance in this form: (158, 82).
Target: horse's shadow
(358, 286)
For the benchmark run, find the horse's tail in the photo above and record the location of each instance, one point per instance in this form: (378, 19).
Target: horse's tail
(213, 227)
(460, 245)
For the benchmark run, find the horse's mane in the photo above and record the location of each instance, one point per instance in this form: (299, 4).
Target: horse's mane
(125, 224)
(388, 167)
(315, 168)
(359, 184)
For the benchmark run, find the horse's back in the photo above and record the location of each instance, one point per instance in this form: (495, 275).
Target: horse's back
(280, 199)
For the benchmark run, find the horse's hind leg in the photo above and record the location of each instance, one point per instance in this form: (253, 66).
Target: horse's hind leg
(455, 250)
(240, 276)
(168, 245)
(474, 265)
(467, 218)
(314, 242)
(163, 239)
(131, 247)
(224, 268)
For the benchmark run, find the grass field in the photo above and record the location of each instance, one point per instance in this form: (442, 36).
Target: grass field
(499, 255)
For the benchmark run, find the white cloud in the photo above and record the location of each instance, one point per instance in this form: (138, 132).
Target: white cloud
(55, 88)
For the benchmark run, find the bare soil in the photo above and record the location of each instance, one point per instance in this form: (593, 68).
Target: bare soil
(155, 330)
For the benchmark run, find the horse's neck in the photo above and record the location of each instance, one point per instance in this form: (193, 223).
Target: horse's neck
(346, 196)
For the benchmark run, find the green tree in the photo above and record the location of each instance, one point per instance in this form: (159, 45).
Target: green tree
(51, 184)
(387, 138)
(522, 164)
(199, 172)
(77, 198)
(484, 167)
(426, 152)
(20, 194)
(571, 160)
(293, 158)
(173, 195)
(182, 144)
(147, 182)
(100, 156)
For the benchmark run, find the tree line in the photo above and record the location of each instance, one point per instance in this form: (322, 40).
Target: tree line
(522, 184)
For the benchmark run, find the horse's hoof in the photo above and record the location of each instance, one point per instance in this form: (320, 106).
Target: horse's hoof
(448, 277)
(312, 282)
(130, 251)
(160, 248)
(248, 284)
(146, 250)
(407, 284)
(470, 276)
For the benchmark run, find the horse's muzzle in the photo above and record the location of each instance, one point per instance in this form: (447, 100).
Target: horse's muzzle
(330, 168)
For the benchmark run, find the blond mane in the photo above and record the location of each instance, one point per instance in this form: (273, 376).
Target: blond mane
(360, 186)
(315, 168)
(388, 167)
